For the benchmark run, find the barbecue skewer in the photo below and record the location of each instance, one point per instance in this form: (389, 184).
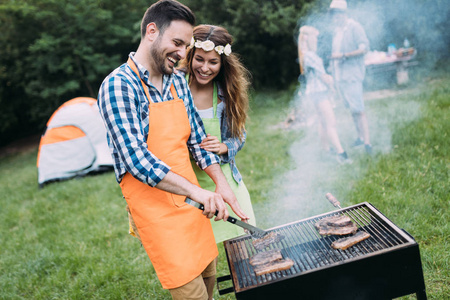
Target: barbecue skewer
(333, 200)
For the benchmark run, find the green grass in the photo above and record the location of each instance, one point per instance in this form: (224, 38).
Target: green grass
(69, 240)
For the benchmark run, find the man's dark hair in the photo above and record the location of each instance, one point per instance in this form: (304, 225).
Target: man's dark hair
(163, 12)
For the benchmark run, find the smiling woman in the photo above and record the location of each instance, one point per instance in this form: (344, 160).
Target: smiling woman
(219, 84)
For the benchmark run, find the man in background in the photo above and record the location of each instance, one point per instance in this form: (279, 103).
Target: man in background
(349, 46)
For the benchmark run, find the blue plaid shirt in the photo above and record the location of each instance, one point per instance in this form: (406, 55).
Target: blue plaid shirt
(124, 109)
(234, 144)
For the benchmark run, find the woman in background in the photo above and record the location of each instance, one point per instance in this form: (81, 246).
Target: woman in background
(219, 85)
(318, 87)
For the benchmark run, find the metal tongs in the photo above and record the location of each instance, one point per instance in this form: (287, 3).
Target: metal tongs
(255, 232)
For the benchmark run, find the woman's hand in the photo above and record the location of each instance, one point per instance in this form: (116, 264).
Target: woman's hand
(328, 80)
(212, 144)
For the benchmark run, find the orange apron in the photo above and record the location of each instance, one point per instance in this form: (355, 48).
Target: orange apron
(177, 237)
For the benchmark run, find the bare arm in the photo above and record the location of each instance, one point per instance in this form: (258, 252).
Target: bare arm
(328, 80)
(357, 52)
(176, 184)
(223, 188)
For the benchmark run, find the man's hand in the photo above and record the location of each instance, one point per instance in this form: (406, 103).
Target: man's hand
(223, 188)
(212, 202)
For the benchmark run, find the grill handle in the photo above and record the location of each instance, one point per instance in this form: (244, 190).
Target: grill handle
(333, 200)
(226, 290)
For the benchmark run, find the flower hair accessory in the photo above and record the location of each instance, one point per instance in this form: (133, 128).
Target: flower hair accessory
(209, 46)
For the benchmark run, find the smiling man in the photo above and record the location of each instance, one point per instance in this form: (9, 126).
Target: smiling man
(152, 125)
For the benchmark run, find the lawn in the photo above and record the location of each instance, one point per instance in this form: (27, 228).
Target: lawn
(70, 239)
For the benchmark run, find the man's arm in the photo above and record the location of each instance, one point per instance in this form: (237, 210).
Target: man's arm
(223, 188)
(120, 112)
(358, 52)
(176, 184)
(360, 40)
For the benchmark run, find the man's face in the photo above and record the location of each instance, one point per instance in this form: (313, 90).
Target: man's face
(339, 19)
(170, 47)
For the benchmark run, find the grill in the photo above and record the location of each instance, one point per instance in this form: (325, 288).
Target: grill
(385, 266)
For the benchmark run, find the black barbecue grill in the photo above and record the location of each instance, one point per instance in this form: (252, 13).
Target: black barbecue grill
(384, 266)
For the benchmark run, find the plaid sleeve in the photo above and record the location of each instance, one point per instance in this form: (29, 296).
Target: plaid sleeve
(234, 145)
(120, 108)
(202, 157)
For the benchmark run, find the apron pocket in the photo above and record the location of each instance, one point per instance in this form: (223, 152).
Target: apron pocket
(178, 200)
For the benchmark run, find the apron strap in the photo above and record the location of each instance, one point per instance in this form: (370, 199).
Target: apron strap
(215, 97)
(174, 92)
(215, 100)
(133, 67)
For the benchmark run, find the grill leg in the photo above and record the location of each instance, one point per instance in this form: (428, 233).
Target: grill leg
(421, 295)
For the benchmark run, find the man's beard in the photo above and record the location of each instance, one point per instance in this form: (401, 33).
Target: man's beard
(159, 58)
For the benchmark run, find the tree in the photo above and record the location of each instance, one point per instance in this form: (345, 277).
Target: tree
(55, 50)
(52, 51)
(264, 35)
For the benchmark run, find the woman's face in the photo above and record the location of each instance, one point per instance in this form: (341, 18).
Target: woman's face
(205, 65)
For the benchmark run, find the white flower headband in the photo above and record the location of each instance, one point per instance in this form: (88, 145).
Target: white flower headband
(209, 45)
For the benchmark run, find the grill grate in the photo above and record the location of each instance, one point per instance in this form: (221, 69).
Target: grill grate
(310, 251)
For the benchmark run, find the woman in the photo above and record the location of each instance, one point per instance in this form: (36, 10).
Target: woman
(219, 84)
(318, 85)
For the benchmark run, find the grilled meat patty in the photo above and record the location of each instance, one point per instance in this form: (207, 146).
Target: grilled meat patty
(265, 241)
(345, 243)
(262, 258)
(279, 265)
(336, 225)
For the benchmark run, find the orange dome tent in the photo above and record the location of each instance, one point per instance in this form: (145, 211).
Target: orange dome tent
(74, 143)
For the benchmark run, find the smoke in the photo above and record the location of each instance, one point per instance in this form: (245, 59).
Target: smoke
(424, 23)
(300, 192)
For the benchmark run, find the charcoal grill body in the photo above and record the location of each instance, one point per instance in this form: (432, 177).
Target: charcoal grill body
(385, 266)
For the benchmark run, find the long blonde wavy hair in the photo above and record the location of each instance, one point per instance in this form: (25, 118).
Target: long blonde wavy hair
(233, 77)
(305, 43)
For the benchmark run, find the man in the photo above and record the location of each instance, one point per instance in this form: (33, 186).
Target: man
(151, 123)
(349, 46)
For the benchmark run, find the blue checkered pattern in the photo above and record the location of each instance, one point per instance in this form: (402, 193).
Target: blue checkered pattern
(234, 144)
(124, 108)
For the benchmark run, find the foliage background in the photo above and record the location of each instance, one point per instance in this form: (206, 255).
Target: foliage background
(54, 50)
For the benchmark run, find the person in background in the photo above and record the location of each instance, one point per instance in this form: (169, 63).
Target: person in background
(318, 87)
(219, 84)
(152, 125)
(349, 46)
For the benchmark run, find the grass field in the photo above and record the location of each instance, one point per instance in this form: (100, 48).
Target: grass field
(69, 240)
